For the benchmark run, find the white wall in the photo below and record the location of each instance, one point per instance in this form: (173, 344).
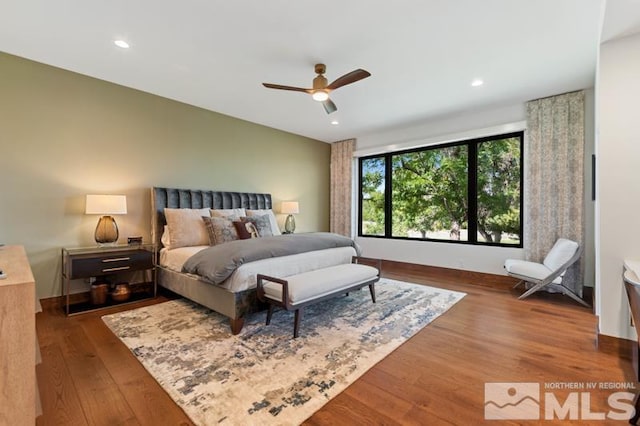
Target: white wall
(589, 204)
(446, 255)
(618, 179)
(462, 125)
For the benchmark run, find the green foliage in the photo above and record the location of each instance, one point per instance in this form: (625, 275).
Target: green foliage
(430, 191)
(430, 187)
(373, 196)
(499, 188)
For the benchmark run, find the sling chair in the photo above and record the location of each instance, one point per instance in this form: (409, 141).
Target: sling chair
(550, 272)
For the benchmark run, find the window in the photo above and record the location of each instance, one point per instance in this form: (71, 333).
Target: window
(464, 192)
(372, 196)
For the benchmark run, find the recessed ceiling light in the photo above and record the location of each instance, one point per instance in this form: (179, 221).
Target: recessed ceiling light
(335, 122)
(121, 43)
(477, 82)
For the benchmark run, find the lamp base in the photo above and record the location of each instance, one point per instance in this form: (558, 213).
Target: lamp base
(106, 231)
(290, 225)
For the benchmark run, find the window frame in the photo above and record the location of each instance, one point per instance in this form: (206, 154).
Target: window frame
(472, 190)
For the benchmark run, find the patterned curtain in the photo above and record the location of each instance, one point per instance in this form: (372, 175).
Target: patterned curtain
(555, 178)
(341, 165)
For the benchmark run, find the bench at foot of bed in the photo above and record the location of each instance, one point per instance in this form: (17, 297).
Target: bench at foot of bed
(295, 292)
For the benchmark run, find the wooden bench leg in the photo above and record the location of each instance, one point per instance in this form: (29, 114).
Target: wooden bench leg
(296, 323)
(236, 324)
(269, 313)
(372, 290)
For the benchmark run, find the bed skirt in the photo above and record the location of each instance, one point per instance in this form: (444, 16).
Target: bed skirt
(219, 299)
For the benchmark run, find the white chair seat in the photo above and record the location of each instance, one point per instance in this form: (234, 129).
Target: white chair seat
(529, 269)
(548, 274)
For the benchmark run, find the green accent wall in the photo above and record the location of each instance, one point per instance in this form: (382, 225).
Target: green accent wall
(64, 135)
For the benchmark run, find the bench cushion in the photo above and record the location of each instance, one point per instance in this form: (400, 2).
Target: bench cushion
(321, 282)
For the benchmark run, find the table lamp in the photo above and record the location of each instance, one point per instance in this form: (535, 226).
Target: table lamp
(106, 205)
(290, 208)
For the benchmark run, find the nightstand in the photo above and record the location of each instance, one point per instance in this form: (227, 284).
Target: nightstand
(111, 266)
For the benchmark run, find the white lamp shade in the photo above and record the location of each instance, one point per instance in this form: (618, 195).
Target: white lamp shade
(290, 207)
(106, 204)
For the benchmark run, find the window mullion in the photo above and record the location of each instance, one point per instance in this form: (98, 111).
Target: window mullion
(387, 194)
(472, 193)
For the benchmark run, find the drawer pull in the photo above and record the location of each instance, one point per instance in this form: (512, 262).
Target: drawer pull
(121, 268)
(116, 259)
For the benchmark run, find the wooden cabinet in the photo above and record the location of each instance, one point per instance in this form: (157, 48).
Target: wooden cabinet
(18, 389)
(107, 264)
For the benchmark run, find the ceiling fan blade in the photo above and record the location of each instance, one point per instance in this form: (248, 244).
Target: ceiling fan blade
(329, 106)
(280, 87)
(349, 78)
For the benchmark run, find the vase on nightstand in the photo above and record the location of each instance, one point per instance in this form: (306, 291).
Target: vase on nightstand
(121, 292)
(99, 291)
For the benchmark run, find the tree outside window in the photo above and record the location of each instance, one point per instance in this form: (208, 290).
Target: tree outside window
(465, 192)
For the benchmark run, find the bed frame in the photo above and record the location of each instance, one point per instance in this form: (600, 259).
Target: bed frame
(233, 305)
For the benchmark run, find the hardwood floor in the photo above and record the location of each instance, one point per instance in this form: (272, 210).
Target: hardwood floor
(88, 377)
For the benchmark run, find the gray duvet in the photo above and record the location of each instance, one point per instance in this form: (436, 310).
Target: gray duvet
(217, 263)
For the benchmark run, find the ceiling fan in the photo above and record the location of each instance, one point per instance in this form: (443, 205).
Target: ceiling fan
(320, 91)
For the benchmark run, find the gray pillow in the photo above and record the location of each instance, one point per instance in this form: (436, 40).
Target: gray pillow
(262, 224)
(220, 230)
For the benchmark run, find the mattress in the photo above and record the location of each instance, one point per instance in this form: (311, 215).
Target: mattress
(244, 277)
(174, 259)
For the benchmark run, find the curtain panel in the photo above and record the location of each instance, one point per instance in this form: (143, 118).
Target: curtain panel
(341, 179)
(555, 178)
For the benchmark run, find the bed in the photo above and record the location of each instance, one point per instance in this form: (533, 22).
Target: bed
(235, 296)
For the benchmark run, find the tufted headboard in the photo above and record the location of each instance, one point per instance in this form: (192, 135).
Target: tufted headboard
(198, 199)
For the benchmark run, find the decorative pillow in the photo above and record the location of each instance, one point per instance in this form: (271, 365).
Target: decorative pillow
(186, 227)
(261, 223)
(220, 230)
(275, 230)
(251, 228)
(241, 229)
(236, 214)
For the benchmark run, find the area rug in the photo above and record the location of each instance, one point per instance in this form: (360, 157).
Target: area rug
(264, 376)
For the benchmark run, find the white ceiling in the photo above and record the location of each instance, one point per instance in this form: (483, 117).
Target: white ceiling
(422, 54)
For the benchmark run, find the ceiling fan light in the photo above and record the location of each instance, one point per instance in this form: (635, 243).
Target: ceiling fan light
(320, 96)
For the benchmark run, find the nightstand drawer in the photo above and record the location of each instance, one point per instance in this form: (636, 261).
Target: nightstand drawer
(110, 264)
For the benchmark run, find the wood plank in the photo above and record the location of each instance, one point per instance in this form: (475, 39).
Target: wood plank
(436, 377)
(102, 400)
(347, 410)
(151, 404)
(58, 394)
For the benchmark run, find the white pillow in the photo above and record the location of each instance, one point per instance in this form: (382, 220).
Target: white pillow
(275, 230)
(235, 213)
(186, 227)
(165, 240)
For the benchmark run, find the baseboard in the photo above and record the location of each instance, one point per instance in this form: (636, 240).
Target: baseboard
(458, 275)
